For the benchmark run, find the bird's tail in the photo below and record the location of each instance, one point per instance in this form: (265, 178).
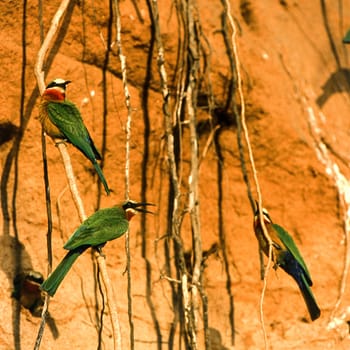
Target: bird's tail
(309, 298)
(51, 284)
(101, 176)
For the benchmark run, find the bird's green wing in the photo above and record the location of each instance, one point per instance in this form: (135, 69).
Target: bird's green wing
(346, 39)
(288, 241)
(104, 225)
(66, 116)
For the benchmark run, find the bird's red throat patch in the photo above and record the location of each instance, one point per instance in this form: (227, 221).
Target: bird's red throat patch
(54, 95)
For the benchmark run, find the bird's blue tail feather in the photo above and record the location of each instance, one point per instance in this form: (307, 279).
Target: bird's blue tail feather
(293, 269)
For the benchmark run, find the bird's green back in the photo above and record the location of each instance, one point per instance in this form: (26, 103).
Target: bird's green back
(66, 116)
(104, 225)
(288, 241)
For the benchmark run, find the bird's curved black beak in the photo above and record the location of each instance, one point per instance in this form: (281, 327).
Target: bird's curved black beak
(138, 206)
(143, 210)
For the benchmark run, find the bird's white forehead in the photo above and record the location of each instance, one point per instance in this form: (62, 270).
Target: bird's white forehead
(266, 214)
(265, 211)
(59, 81)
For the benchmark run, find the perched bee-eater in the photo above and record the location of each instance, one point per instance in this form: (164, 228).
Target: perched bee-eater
(27, 291)
(102, 226)
(61, 119)
(286, 255)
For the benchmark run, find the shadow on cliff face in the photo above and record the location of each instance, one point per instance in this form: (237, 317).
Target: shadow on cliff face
(7, 132)
(338, 81)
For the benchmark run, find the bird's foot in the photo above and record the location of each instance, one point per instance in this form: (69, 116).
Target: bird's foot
(276, 266)
(99, 250)
(59, 141)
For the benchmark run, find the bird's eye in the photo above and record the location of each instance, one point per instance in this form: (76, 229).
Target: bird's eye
(127, 205)
(51, 85)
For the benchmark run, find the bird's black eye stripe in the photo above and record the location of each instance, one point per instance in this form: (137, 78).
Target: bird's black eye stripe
(35, 277)
(128, 205)
(266, 215)
(51, 85)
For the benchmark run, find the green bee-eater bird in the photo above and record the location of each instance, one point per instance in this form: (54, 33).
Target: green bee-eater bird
(61, 119)
(286, 255)
(102, 226)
